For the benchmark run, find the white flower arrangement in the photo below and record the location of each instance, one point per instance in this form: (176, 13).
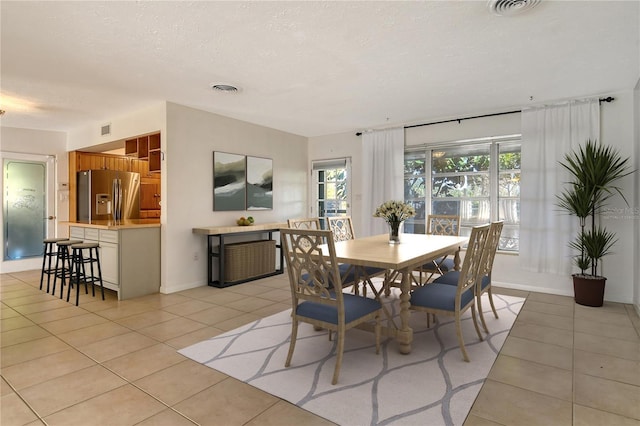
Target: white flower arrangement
(395, 211)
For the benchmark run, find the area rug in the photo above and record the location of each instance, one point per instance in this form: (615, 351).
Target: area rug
(430, 386)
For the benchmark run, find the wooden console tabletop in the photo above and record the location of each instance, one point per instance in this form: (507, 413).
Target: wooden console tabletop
(217, 234)
(220, 230)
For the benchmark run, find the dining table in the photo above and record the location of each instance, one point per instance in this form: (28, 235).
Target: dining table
(413, 251)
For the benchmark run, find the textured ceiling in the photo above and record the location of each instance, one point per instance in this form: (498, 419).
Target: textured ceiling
(309, 68)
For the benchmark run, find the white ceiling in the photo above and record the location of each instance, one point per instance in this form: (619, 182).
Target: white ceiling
(309, 68)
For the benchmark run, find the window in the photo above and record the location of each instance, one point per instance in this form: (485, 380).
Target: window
(478, 180)
(331, 183)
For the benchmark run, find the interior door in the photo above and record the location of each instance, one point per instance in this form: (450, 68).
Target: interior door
(28, 207)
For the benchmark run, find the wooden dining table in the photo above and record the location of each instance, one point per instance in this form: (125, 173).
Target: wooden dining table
(413, 251)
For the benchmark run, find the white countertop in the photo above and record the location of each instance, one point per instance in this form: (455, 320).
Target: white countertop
(115, 225)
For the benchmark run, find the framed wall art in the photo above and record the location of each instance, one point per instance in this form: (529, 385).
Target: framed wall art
(259, 183)
(229, 181)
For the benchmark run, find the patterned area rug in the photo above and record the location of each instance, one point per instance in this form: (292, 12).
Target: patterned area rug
(430, 386)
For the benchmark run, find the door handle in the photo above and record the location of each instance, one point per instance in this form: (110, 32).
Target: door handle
(50, 217)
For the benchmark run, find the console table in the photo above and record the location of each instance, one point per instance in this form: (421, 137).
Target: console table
(220, 233)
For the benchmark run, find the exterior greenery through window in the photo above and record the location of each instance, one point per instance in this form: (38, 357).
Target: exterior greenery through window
(478, 180)
(331, 188)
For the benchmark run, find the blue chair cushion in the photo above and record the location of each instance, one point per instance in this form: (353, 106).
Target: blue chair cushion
(354, 308)
(439, 296)
(445, 265)
(451, 278)
(349, 278)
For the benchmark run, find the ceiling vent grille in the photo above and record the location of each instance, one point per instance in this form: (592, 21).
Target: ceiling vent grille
(227, 88)
(105, 130)
(511, 7)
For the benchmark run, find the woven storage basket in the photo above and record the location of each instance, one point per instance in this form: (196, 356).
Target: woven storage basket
(249, 259)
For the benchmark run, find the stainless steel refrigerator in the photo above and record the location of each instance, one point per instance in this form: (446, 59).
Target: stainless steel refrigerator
(108, 195)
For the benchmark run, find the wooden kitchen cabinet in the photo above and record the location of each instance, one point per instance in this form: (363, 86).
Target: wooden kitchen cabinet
(99, 161)
(149, 195)
(143, 157)
(155, 155)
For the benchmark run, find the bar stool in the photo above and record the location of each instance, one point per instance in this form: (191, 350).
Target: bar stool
(49, 252)
(79, 269)
(63, 272)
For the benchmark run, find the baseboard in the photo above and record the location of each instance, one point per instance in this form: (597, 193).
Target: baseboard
(536, 289)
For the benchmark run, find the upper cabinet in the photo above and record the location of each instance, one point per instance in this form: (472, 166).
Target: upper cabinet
(145, 148)
(155, 155)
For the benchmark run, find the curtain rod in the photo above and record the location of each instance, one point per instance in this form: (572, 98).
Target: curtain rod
(459, 120)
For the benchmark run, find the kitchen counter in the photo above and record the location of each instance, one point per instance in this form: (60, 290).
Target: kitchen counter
(115, 225)
(129, 253)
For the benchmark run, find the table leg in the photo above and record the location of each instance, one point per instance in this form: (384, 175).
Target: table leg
(405, 334)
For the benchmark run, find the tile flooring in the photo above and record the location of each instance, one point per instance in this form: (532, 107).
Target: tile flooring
(115, 363)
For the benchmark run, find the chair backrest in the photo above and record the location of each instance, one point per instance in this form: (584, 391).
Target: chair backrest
(305, 223)
(342, 228)
(313, 270)
(442, 224)
(472, 259)
(490, 248)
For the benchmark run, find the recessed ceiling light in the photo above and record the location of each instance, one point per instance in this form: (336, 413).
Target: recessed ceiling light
(227, 88)
(511, 7)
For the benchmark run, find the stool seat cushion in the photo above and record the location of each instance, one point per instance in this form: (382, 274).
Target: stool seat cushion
(68, 242)
(53, 240)
(85, 245)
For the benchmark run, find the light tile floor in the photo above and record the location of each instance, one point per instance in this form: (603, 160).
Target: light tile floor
(115, 363)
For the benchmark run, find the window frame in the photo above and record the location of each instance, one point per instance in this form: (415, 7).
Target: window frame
(494, 173)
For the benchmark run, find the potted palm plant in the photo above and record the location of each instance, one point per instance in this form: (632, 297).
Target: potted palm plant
(594, 169)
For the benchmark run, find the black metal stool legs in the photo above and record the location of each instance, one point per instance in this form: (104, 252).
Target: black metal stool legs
(63, 271)
(49, 252)
(80, 273)
(99, 272)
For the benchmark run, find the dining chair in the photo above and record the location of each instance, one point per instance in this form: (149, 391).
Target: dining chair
(444, 299)
(304, 223)
(342, 229)
(315, 282)
(347, 271)
(438, 224)
(484, 275)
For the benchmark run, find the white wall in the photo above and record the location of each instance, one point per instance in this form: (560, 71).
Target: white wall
(636, 115)
(40, 142)
(617, 129)
(340, 146)
(123, 126)
(192, 136)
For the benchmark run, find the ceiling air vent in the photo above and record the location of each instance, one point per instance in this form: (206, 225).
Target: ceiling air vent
(511, 7)
(227, 88)
(105, 130)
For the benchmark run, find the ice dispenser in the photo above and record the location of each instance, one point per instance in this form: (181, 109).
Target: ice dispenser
(103, 204)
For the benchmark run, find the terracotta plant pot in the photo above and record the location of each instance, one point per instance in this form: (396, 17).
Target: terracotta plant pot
(588, 290)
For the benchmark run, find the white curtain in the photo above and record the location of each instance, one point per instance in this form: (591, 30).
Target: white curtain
(382, 175)
(548, 133)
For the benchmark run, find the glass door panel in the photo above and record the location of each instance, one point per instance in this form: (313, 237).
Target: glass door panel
(25, 208)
